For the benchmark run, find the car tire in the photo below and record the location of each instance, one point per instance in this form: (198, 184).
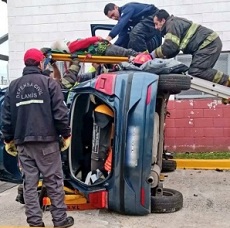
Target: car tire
(170, 201)
(174, 83)
(168, 165)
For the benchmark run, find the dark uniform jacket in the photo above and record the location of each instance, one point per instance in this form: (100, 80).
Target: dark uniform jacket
(130, 14)
(183, 35)
(34, 109)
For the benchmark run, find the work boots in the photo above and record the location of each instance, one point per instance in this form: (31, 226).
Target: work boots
(40, 225)
(67, 223)
(20, 197)
(226, 101)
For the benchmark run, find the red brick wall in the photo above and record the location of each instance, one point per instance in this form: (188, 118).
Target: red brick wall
(197, 126)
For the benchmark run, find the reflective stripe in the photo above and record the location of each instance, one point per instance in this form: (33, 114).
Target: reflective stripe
(76, 83)
(217, 77)
(228, 82)
(191, 31)
(173, 38)
(91, 69)
(159, 53)
(74, 67)
(29, 102)
(68, 97)
(209, 40)
(66, 83)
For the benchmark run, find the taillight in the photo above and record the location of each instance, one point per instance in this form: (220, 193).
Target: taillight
(142, 196)
(149, 92)
(106, 83)
(99, 199)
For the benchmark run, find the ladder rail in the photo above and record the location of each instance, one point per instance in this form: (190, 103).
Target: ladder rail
(210, 87)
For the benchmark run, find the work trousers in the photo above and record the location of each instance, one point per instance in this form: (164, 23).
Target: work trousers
(42, 158)
(144, 36)
(203, 61)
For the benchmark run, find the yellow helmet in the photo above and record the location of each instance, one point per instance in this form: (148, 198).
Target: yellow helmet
(105, 110)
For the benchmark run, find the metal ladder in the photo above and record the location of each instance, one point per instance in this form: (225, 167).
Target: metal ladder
(210, 87)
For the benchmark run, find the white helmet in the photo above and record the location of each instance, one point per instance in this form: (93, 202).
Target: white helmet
(60, 45)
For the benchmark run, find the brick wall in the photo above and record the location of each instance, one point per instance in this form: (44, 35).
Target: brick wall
(198, 125)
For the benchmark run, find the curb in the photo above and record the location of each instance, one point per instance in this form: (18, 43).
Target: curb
(214, 164)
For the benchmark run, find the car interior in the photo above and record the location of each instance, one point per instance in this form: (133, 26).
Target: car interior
(85, 139)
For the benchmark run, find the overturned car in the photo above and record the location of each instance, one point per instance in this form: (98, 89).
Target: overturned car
(115, 157)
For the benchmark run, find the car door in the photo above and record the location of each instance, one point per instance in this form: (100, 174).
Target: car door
(9, 170)
(95, 27)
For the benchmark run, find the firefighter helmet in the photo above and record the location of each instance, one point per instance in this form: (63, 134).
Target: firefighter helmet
(105, 110)
(60, 45)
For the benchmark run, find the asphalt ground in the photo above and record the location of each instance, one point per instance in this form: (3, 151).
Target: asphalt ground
(206, 204)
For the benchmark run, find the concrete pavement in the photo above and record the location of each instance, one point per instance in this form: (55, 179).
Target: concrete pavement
(206, 204)
(5, 186)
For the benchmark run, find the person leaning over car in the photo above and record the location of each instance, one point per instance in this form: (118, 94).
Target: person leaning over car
(33, 117)
(202, 43)
(136, 17)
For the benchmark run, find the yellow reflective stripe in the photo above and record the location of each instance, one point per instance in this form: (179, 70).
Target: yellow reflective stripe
(217, 77)
(192, 29)
(173, 38)
(209, 40)
(159, 53)
(71, 88)
(91, 69)
(66, 83)
(73, 67)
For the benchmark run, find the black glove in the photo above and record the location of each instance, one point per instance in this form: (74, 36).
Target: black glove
(52, 61)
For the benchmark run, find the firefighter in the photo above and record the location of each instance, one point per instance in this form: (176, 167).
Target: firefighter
(101, 143)
(202, 43)
(134, 28)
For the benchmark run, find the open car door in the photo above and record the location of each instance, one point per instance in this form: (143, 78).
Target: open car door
(95, 27)
(9, 170)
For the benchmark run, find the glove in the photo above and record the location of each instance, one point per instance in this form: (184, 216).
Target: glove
(48, 61)
(52, 61)
(65, 143)
(11, 148)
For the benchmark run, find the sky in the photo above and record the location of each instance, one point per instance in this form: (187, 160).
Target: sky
(3, 31)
